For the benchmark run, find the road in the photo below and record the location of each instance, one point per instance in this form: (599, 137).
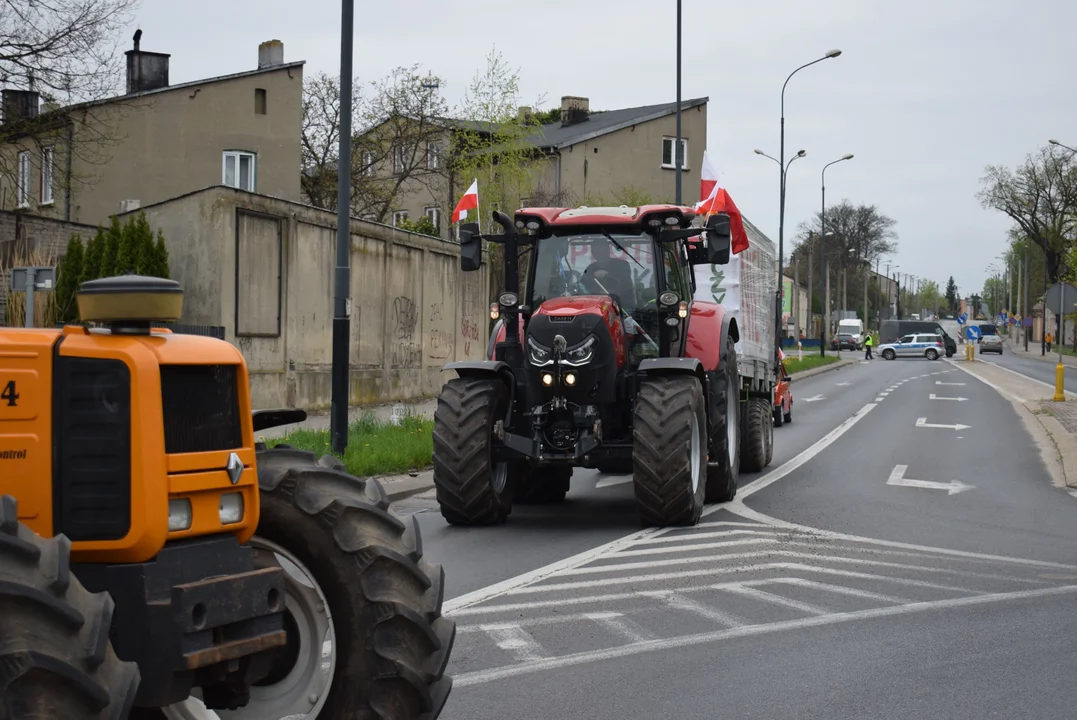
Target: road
(905, 556)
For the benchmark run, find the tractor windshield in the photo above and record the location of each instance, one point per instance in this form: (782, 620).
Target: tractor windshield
(620, 266)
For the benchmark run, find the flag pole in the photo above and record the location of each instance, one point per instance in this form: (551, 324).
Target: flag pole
(478, 210)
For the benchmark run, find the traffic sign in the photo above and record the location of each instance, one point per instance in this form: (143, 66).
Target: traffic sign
(1028, 322)
(1054, 297)
(962, 318)
(972, 332)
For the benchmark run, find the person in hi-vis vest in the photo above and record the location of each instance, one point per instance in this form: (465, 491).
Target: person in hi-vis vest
(867, 347)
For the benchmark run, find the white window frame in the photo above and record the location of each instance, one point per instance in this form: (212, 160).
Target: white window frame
(398, 159)
(22, 180)
(48, 158)
(236, 155)
(433, 156)
(369, 161)
(399, 215)
(434, 214)
(672, 165)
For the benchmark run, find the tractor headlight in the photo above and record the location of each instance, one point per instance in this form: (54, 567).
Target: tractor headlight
(538, 355)
(668, 298)
(580, 354)
(179, 515)
(508, 299)
(231, 508)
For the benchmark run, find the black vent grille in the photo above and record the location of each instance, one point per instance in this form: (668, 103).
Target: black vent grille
(562, 318)
(201, 408)
(92, 448)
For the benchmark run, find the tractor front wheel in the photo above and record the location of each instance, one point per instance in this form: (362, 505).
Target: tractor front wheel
(56, 660)
(758, 435)
(669, 450)
(723, 465)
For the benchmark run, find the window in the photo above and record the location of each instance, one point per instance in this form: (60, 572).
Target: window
(259, 101)
(433, 156)
(398, 216)
(46, 175)
(239, 170)
(22, 182)
(369, 161)
(398, 159)
(434, 215)
(667, 153)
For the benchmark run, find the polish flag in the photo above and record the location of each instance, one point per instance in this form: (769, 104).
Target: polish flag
(718, 200)
(470, 201)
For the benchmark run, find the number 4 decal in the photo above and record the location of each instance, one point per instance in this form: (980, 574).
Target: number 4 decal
(9, 394)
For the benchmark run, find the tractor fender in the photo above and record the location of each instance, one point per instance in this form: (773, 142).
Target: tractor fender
(674, 366)
(708, 327)
(487, 369)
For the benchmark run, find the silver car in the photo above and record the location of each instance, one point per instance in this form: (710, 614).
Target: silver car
(919, 345)
(991, 343)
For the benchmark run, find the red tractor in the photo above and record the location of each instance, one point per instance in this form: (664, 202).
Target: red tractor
(605, 360)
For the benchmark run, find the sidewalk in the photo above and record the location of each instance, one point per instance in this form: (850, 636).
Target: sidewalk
(1052, 424)
(1033, 353)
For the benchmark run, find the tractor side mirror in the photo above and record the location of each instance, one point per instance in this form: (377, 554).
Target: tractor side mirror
(470, 247)
(719, 239)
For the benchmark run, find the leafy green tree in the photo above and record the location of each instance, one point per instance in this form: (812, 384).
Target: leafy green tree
(160, 257)
(951, 294)
(71, 272)
(423, 226)
(94, 258)
(111, 258)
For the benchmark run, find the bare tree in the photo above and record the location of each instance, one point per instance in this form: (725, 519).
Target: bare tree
(400, 133)
(1040, 196)
(67, 52)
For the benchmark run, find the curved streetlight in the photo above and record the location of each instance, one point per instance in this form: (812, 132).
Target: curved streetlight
(781, 199)
(1067, 147)
(784, 171)
(824, 261)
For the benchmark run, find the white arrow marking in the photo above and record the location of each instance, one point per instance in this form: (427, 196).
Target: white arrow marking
(940, 382)
(607, 482)
(897, 477)
(813, 399)
(933, 396)
(922, 422)
(843, 384)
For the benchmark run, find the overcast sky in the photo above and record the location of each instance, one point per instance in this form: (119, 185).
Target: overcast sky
(925, 93)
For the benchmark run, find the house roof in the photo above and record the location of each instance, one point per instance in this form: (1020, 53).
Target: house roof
(556, 136)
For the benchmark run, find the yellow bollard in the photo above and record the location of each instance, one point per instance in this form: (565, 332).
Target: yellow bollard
(1060, 383)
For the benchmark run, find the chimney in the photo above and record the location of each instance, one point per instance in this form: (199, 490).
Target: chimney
(574, 109)
(145, 70)
(523, 115)
(127, 206)
(270, 53)
(20, 105)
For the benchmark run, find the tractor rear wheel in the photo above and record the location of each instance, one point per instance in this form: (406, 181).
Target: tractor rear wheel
(758, 435)
(723, 465)
(56, 660)
(354, 576)
(543, 486)
(471, 488)
(669, 451)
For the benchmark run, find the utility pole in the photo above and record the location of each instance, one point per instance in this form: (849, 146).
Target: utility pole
(678, 156)
(338, 417)
(1026, 330)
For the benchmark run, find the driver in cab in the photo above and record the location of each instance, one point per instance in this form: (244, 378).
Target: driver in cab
(606, 274)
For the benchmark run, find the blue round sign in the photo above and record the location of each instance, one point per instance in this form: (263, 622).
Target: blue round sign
(1028, 322)
(972, 332)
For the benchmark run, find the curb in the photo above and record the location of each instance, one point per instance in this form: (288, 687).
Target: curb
(399, 487)
(825, 368)
(1064, 442)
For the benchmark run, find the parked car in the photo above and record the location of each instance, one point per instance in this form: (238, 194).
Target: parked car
(783, 397)
(919, 345)
(991, 343)
(891, 330)
(844, 341)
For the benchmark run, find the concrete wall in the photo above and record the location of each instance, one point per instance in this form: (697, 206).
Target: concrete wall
(263, 268)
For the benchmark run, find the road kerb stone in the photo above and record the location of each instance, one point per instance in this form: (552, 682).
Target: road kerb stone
(824, 368)
(399, 487)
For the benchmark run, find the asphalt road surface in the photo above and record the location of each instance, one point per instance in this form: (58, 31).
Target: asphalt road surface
(906, 555)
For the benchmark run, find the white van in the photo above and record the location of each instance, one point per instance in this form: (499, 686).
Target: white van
(853, 326)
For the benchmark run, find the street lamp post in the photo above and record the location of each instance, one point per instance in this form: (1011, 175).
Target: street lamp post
(678, 157)
(784, 172)
(781, 193)
(825, 260)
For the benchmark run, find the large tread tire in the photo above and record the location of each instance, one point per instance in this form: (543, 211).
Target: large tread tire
(468, 489)
(723, 466)
(756, 429)
(669, 413)
(385, 599)
(543, 486)
(779, 416)
(56, 660)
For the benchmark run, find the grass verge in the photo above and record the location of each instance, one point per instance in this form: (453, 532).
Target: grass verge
(375, 447)
(793, 366)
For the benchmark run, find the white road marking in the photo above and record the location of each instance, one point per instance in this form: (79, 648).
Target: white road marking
(681, 602)
(897, 477)
(764, 596)
(940, 382)
(885, 393)
(609, 482)
(623, 626)
(843, 384)
(841, 590)
(690, 548)
(778, 473)
(763, 531)
(922, 422)
(933, 396)
(533, 622)
(484, 676)
(516, 641)
(813, 399)
(878, 399)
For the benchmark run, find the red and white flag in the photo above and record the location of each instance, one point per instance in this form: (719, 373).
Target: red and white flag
(470, 201)
(713, 198)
